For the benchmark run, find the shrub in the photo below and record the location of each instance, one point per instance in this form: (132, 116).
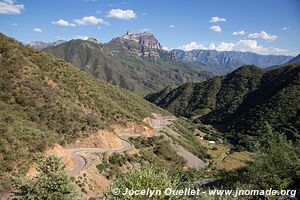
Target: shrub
(143, 178)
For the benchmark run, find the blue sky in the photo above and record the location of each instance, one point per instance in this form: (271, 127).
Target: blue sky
(261, 26)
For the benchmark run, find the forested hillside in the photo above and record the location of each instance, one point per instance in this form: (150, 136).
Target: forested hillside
(244, 103)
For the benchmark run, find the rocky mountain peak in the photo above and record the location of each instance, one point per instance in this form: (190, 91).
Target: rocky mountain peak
(146, 39)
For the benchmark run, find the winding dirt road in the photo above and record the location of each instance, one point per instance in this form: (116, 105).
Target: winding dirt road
(80, 162)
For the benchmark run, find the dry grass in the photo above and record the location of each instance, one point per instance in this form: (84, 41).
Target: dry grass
(223, 159)
(235, 161)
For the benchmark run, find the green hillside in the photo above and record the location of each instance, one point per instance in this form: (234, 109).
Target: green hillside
(119, 66)
(44, 100)
(245, 103)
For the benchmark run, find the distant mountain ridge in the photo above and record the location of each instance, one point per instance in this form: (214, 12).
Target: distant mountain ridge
(245, 102)
(43, 45)
(224, 62)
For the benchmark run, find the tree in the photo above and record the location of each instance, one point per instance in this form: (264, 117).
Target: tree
(51, 182)
(276, 165)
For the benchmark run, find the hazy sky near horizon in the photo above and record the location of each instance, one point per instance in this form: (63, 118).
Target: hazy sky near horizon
(260, 26)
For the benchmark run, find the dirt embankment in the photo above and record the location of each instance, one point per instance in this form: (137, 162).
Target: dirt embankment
(103, 139)
(134, 129)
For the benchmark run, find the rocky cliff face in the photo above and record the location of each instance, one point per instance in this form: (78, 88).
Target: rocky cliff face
(141, 44)
(145, 39)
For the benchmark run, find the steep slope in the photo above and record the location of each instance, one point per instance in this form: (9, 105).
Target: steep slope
(226, 61)
(45, 100)
(245, 102)
(129, 64)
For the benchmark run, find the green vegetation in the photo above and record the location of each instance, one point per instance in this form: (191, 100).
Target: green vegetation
(50, 183)
(147, 177)
(111, 165)
(276, 165)
(112, 63)
(44, 100)
(243, 103)
(160, 146)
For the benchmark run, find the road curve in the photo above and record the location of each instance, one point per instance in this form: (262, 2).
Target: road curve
(79, 160)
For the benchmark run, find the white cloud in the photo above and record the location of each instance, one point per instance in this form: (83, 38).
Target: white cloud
(251, 46)
(263, 36)
(90, 20)
(242, 32)
(224, 46)
(121, 14)
(145, 29)
(285, 28)
(191, 46)
(244, 45)
(81, 37)
(165, 48)
(143, 14)
(217, 19)
(10, 7)
(62, 22)
(39, 30)
(216, 29)
(15, 24)
(171, 26)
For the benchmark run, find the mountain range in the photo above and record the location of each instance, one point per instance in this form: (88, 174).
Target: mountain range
(145, 45)
(131, 61)
(244, 103)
